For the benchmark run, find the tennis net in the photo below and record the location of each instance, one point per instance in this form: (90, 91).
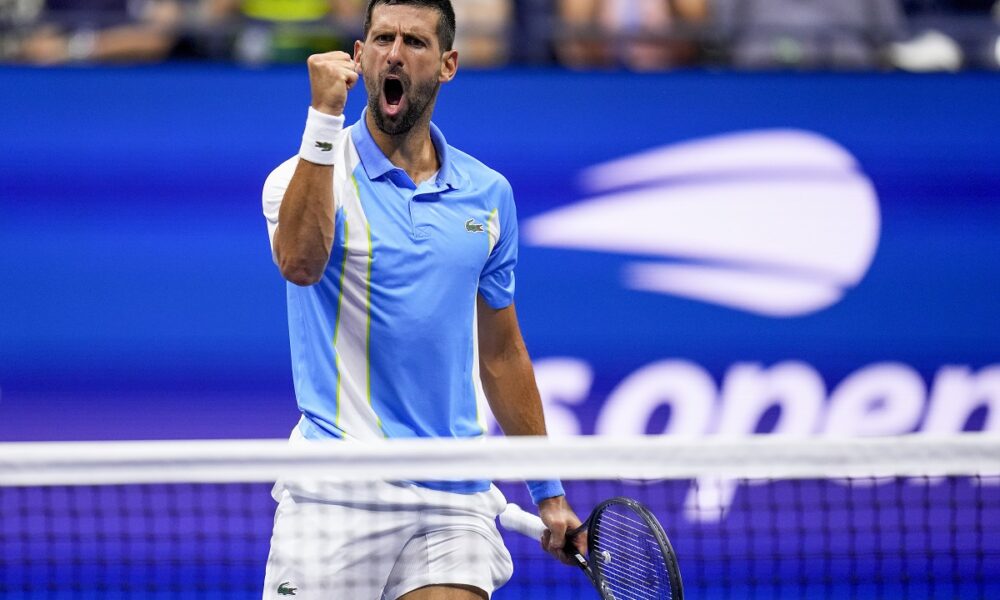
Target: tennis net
(768, 517)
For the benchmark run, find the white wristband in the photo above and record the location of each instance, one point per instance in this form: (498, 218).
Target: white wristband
(320, 137)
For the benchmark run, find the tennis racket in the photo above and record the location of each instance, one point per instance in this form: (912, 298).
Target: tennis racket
(630, 557)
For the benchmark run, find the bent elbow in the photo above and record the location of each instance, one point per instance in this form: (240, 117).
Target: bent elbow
(303, 279)
(299, 274)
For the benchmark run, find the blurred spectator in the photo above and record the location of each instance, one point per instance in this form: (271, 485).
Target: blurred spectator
(964, 26)
(265, 31)
(843, 34)
(101, 31)
(641, 34)
(290, 30)
(930, 51)
(483, 31)
(16, 16)
(996, 39)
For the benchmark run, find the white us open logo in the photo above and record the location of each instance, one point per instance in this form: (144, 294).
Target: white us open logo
(776, 222)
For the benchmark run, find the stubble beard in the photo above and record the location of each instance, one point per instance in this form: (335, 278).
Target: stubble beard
(419, 97)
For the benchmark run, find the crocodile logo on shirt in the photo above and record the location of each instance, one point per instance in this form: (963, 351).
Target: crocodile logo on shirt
(324, 146)
(286, 589)
(472, 227)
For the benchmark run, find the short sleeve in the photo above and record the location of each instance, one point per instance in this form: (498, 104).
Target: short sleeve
(274, 191)
(496, 282)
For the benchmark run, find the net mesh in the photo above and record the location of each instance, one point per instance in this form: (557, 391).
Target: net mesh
(194, 520)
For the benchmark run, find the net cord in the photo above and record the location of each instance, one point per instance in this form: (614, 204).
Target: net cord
(498, 458)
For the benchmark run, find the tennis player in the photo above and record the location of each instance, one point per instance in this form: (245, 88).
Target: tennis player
(399, 251)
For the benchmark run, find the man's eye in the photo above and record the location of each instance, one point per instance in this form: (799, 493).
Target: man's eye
(416, 43)
(384, 38)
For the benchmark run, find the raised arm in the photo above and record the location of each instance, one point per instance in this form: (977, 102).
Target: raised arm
(509, 382)
(304, 236)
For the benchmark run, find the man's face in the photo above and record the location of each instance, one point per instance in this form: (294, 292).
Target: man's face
(403, 65)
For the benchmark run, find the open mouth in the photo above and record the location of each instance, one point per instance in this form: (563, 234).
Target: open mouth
(393, 90)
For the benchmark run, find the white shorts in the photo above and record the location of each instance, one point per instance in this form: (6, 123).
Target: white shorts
(380, 540)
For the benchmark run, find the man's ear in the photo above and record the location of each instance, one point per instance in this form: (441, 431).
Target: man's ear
(449, 66)
(359, 46)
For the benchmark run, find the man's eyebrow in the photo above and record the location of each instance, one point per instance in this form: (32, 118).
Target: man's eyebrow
(407, 30)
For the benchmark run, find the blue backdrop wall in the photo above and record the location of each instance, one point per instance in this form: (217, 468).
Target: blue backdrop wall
(701, 253)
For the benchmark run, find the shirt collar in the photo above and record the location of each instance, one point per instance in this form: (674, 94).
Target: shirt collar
(376, 164)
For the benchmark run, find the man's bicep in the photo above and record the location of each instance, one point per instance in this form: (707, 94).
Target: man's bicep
(499, 331)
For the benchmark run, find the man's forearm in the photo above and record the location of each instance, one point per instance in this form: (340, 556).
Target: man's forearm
(509, 383)
(304, 236)
(303, 241)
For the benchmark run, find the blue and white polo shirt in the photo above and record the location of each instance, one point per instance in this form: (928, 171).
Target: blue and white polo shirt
(384, 346)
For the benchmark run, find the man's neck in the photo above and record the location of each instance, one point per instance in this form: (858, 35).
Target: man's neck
(412, 151)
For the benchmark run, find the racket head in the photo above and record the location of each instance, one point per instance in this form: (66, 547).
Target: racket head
(629, 554)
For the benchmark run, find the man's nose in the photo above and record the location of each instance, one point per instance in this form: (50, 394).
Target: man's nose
(395, 56)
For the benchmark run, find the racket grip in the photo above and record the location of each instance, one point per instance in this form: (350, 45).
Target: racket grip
(515, 519)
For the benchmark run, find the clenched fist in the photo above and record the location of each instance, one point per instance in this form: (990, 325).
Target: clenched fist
(331, 76)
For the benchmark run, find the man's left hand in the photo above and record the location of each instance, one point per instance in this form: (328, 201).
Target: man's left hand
(559, 520)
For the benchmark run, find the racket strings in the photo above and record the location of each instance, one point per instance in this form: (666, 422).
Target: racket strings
(627, 584)
(628, 557)
(628, 575)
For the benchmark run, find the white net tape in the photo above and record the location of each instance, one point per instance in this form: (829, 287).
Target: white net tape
(650, 457)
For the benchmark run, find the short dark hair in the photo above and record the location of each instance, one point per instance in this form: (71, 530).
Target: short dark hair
(446, 24)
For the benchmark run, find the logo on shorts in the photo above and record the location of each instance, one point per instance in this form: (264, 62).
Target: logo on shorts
(324, 146)
(472, 227)
(286, 589)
